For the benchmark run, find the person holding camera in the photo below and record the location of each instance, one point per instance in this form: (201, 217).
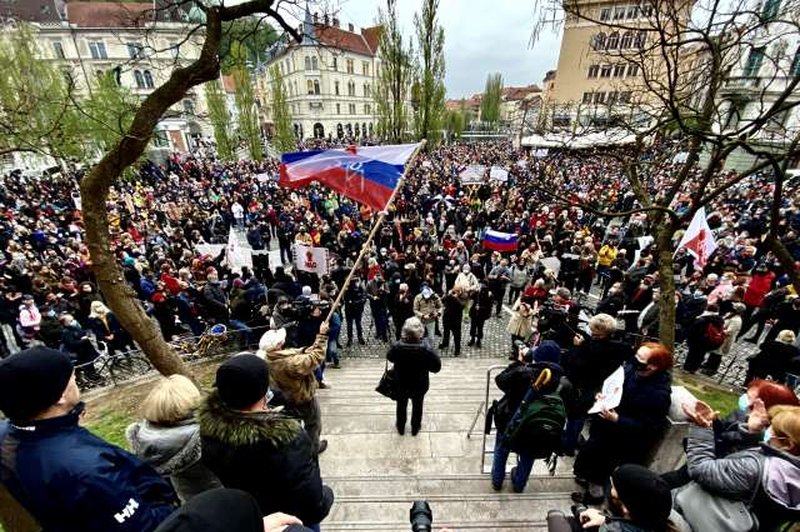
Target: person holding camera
(427, 308)
(413, 359)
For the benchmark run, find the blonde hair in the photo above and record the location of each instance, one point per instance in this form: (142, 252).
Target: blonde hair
(172, 400)
(786, 336)
(785, 421)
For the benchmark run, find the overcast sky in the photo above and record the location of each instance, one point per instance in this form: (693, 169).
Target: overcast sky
(481, 36)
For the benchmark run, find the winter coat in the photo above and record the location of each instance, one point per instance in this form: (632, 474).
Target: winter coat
(514, 382)
(732, 327)
(173, 452)
(292, 370)
(266, 454)
(427, 310)
(453, 311)
(71, 480)
(774, 359)
(412, 363)
(521, 322)
(757, 288)
(737, 477)
(731, 434)
(611, 305)
(589, 364)
(215, 302)
(483, 303)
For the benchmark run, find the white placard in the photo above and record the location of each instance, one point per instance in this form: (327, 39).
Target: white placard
(310, 259)
(472, 174)
(498, 174)
(611, 394)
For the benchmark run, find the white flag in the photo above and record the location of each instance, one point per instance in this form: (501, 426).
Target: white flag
(309, 259)
(236, 255)
(698, 239)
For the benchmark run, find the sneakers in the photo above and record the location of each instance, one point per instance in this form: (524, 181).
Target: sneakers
(322, 385)
(442, 346)
(335, 365)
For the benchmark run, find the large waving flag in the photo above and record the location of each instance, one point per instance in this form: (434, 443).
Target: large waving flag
(367, 174)
(698, 239)
(497, 241)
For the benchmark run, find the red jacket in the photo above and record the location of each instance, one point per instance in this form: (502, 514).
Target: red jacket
(760, 284)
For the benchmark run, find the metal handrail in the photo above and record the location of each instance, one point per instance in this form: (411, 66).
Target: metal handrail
(483, 409)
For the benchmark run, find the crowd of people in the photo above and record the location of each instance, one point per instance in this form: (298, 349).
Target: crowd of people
(427, 278)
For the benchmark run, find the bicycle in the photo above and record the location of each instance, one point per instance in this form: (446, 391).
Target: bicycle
(193, 347)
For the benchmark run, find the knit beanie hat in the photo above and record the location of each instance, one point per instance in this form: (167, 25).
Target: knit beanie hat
(216, 510)
(645, 494)
(547, 351)
(242, 380)
(33, 380)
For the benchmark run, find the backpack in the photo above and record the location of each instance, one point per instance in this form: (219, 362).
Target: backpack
(715, 334)
(535, 430)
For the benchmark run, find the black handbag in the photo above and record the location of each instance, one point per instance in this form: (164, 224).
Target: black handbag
(387, 386)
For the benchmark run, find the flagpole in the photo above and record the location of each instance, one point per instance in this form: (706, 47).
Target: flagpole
(373, 231)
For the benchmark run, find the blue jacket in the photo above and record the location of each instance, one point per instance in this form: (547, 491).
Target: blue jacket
(71, 480)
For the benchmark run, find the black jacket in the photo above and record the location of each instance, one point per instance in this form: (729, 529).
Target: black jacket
(589, 364)
(774, 359)
(412, 363)
(514, 382)
(453, 311)
(71, 480)
(267, 455)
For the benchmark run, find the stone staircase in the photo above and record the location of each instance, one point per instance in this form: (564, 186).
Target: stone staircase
(376, 473)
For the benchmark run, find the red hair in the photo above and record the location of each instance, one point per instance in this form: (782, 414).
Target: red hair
(773, 394)
(660, 355)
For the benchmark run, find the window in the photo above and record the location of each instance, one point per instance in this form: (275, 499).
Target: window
(291, 89)
(314, 63)
(619, 13)
(646, 9)
(770, 10)
(148, 80)
(619, 71)
(593, 70)
(338, 108)
(175, 49)
(366, 90)
(587, 97)
(137, 76)
(633, 71)
(625, 96)
(358, 130)
(160, 139)
(613, 41)
(641, 37)
(366, 109)
(352, 108)
(754, 61)
(308, 63)
(58, 50)
(365, 68)
(605, 71)
(335, 64)
(135, 50)
(633, 12)
(794, 71)
(98, 50)
(309, 86)
(350, 67)
(627, 40)
(188, 107)
(605, 13)
(351, 88)
(612, 98)
(599, 97)
(316, 86)
(336, 88)
(599, 41)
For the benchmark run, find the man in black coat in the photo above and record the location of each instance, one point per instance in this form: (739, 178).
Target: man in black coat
(480, 312)
(354, 300)
(697, 339)
(256, 449)
(451, 319)
(413, 358)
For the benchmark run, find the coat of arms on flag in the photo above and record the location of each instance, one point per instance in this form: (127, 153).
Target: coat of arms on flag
(310, 259)
(698, 239)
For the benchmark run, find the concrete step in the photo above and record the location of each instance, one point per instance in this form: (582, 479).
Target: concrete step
(485, 511)
(422, 486)
(504, 525)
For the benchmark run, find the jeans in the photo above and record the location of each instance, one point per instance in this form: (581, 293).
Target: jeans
(416, 411)
(454, 328)
(572, 432)
(245, 333)
(381, 318)
(354, 316)
(513, 294)
(332, 351)
(524, 466)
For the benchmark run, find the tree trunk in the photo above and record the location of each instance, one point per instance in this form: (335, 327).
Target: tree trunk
(13, 516)
(776, 246)
(666, 270)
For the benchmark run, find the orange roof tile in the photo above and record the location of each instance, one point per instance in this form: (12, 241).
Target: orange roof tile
(109, 14)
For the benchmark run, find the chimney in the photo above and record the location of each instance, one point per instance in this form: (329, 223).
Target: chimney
(350, 28)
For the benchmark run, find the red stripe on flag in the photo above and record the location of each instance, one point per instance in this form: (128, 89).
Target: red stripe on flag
(351, 184)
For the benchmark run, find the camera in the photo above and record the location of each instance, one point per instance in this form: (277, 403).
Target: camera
(421, 516)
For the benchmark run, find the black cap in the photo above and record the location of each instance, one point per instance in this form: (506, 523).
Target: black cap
(33, 380)
(217, 510)
(645, 494)
(242, 380)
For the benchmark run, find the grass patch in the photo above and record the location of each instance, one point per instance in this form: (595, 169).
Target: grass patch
(719, 398)
(110, 425)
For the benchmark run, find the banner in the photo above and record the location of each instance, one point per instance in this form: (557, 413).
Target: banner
(498, 174)
(540, 153)
(236, 255)
(310, 259)
(698, 239)
(472, 174)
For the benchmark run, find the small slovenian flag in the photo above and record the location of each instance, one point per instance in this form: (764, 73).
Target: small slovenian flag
(497, 241)
(368, 174)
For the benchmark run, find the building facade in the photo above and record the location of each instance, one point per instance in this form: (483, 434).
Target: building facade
(139, 43)
(329, 80)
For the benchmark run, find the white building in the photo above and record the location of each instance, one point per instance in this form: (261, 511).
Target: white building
(769, 61)
(329, 79)
(142, 43)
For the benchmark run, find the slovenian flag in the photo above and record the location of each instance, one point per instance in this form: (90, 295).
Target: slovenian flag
(367, 174)
(497, 241)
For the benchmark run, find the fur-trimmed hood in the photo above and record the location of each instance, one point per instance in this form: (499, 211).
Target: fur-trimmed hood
(239, 429)
(169, 450)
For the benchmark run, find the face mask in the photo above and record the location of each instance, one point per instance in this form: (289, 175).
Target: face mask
(768, 435)
(744, 403)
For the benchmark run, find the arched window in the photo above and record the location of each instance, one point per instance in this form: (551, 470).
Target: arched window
(291, 90)
(314, 63)
(613, 41)
(364, 129)
(339, 130)
(308, 63)
(349, 129)
(627, 40)
(599, 41)
(358, 130)
(336, 88)
(137, 76)
(370, 129)
(316, 86)
(366, 90)
(295, 88)
(148, 79)
(309, 86)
